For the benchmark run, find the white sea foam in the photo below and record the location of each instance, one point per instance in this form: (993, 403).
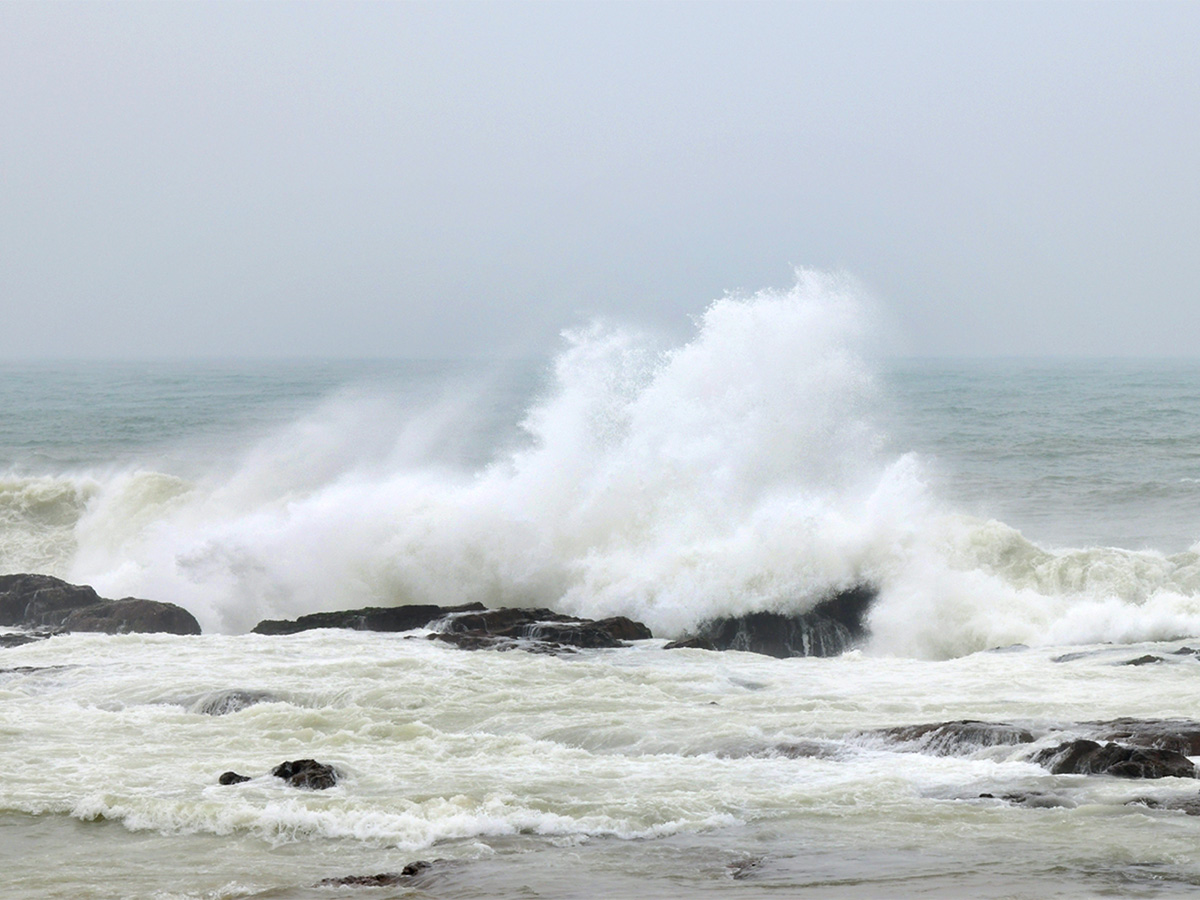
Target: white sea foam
(739, 471)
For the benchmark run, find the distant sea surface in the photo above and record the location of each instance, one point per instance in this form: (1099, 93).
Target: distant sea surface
(1030, 526)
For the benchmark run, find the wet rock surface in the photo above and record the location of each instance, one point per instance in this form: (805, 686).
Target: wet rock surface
(956, 738)
(385, 879)
(300, 773)
(17, 639)
(536, 630)
(1084, 757)
(1178, 735)
(830, 628)
(475, 627)
(222, 703)
(306, 773)
(46, 602)
(369, 618)
(131, 615)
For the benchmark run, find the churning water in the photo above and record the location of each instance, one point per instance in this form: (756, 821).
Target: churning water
(760, 465)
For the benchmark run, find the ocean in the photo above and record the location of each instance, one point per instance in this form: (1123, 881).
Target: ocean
(1030, 525)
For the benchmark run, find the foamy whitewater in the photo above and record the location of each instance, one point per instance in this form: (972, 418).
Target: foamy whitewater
(1046, 509)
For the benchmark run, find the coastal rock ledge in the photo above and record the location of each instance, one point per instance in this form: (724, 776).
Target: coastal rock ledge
(46, 602)
(473, 626)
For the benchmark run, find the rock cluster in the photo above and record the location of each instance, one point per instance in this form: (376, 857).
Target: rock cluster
(300, 773)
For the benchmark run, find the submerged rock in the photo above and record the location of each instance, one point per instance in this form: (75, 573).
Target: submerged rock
(369, 618)
(43, 601)
(1189, 805)
(1084, 757)
(385, 879)
(222, 703)
(17, 639)
(957, 738)
(232, 778)
(306, 773)
(830, 628)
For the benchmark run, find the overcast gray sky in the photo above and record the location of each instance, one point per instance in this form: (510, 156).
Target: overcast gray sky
(436, 180)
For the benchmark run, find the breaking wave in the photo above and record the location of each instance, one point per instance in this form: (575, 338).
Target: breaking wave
(739, 471)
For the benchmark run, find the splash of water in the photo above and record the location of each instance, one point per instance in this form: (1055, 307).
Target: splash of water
(737, 472)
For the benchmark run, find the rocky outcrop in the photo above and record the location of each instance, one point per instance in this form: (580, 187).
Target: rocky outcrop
(537, 630)
(1084, 757)
(370, 618)
(29, 601)
(475, 627)
(830, 628)
(43, 601)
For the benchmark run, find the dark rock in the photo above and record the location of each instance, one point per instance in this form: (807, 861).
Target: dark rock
(306, 773)
(40, 601)
(370, 618)
(1178, 735)
(221, 703)
(1186, 651)
(33, 600)
(957, 738)
(803, 749)
(132, 616)
(1083, 757)
(832, 627)
(1071, 657)
(385, 879)
(535, 630)
(692, 643)
(232, 778)
(16, 639)
(474, 627)
(1033, 800)
(1147, 660)
(1189, 805)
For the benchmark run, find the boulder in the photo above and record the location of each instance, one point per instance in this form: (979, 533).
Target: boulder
(232, 778)
(830, 628)
(1084, 757)
(306, 773)
(131, 616)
